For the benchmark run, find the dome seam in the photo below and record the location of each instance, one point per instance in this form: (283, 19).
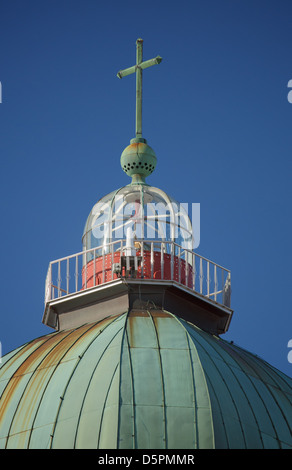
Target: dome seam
(71, 375)
(190, 339)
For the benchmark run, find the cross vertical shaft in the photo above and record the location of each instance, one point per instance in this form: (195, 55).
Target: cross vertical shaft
(138, 68)
(139, 59)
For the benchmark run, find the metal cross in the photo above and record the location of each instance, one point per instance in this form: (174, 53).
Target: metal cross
(138, 70)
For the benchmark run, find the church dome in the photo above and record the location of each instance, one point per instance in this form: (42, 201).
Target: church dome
(144, 379)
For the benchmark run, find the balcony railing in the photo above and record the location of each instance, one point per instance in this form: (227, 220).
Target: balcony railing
(156, 260)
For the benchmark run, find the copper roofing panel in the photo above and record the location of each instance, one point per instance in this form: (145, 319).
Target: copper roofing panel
(141, 380)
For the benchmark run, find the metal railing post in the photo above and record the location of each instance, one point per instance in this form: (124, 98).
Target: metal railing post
(216, 289)
(162, 260)
(76, 273)
(194, 271)
(151, 259)
(179, 264)
(201, 275)
(67, 276)
(94, 268)
(59, 279)
(215, 282)
(142, 256)
(85, 272)
(112, 263)
(172, 260)
(222, 284)
(208, 279)
(186, 268)
(103, 260)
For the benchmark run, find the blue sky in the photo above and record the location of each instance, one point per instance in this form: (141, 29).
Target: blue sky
(215, 111)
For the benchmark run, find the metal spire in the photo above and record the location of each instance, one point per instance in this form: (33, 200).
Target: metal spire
(140, 65)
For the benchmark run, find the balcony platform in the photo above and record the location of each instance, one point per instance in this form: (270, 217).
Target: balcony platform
(122, 295)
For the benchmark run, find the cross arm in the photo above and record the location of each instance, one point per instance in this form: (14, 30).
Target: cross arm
(143, 65)
(125, 72)
(150, 62)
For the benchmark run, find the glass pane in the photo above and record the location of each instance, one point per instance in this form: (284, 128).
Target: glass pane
(148, 212)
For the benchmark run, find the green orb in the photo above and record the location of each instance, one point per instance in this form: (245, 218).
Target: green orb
(138, 159)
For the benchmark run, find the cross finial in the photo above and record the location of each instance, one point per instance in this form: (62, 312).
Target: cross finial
(140, 65)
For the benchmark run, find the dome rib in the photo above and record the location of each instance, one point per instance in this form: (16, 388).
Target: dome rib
(196, 400)
(81, 379)
(162, 379)
(14, 360)
(33, 377)
(260, 373)
(61, 398)
(126, 416)
(267, 369)
(76, 338)
(88, 388)
(231, 382)
(219, 352)
(195, 340)
(272, 389)
(66, 373)
(141, 404)
(219, 346)
(169, 363)
(103, 420)
(24, 382)
(200, 442)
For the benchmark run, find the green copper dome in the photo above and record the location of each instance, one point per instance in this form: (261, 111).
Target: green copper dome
(143, 379)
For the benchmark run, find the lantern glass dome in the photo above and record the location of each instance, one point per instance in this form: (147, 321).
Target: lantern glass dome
(141, 211)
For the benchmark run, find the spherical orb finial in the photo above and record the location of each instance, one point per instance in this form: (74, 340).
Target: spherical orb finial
(138, 160)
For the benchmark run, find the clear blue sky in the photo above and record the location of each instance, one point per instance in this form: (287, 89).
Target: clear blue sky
(215, 111)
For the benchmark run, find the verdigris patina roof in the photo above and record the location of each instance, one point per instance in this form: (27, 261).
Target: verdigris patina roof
(142, 379)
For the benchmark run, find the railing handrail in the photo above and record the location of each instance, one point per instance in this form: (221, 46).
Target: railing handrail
(185, 267)
(102, 247)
